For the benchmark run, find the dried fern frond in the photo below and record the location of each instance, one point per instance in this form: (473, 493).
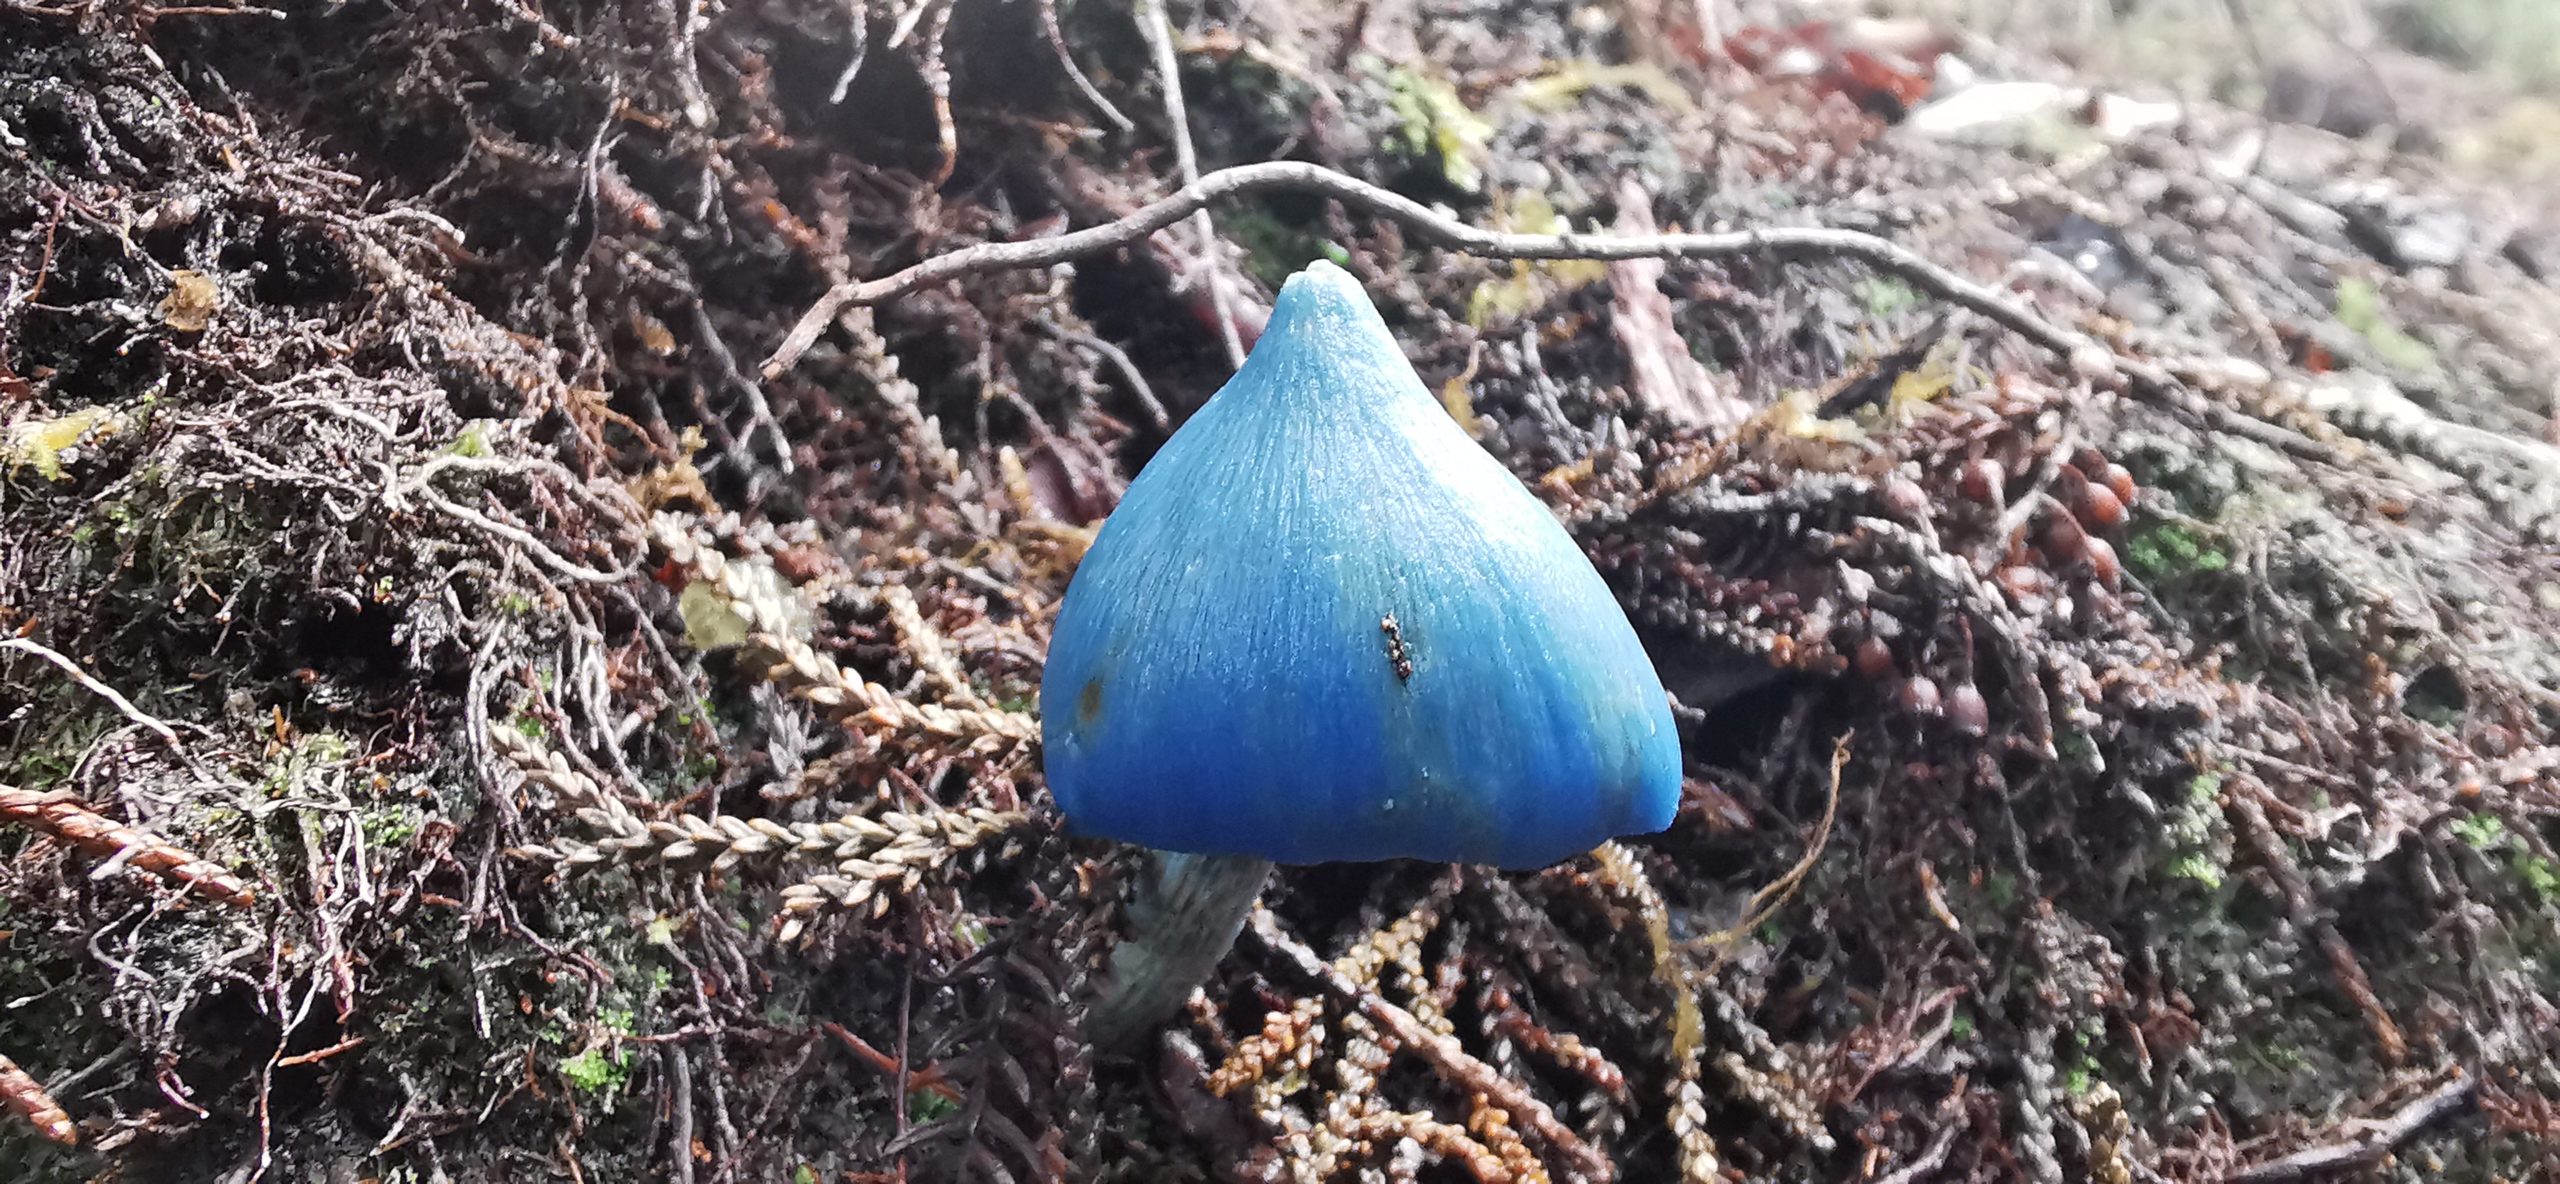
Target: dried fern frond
(1496, 1102)
(540, 765)
(1360, 1126)
(65, 816)
(900, 849)
(1281, 1044)
(925, 644)
(1348, 1126)
(25, 1097)
(1399, 944)
(815, 678)
(904, 844)
(1505, 1019)
(1698, 1162)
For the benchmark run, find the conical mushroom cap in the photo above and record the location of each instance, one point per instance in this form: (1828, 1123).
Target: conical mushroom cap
(1324, 625)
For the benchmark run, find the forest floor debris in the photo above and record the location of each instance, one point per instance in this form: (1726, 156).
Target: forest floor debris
(528, 538)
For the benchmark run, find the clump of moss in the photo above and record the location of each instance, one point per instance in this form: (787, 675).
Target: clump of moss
(1436, 129)
(2164, 550)
(2198, 839)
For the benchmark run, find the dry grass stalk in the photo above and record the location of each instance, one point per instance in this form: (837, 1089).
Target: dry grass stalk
(1352, 1127)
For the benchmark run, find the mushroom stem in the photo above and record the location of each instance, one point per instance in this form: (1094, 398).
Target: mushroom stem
(1181, 925)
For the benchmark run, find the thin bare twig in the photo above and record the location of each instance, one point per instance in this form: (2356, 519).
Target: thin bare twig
(1800, 242)
(2377, 1140)
(1057, 37)
(166, 734)
(858, 28)
(318, 1055)
(929, 1078)
(44, 262)
(1930, 1159)
(422, 484)
(1129, 373)
(1157, 28)
(679, 1090)
(759, 409)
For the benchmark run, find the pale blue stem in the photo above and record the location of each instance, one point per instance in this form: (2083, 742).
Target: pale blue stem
(1181, 924)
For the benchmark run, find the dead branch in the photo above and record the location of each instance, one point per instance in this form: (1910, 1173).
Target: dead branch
(2376, 1141)
(422, 484)
(2084, 353)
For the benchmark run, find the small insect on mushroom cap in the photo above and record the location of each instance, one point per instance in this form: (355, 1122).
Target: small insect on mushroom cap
(1323, 625)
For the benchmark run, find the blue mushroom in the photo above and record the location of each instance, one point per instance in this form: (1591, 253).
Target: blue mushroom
(1323, 625)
